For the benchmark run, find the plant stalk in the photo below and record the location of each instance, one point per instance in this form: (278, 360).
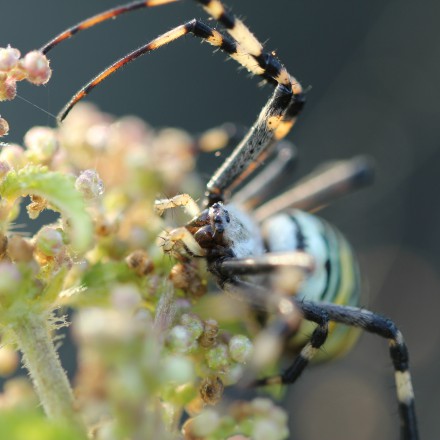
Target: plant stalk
(42, 361)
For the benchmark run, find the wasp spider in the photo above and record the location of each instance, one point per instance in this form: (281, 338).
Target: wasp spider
(238, 245)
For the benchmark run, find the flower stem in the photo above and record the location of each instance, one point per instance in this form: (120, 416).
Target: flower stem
(42, 361)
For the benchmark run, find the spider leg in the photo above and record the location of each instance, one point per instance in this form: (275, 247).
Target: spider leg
(264, 263)
(182, 200)
(311, 312)
(372, 323)
(256, 146)
(275, 72)
(245, 48)
(385, 328)
(259, 188)
(181, 244)
(268, 344)
(274, 122)
(320, 187)
(228, 176)
(321, 313)
(253, 149)
(99, 18)
(228, 272)
(289, 320)
(234, 26)
(272, 68)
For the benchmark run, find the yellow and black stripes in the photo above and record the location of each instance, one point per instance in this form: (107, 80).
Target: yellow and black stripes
(99, 18)
(235, 27)
(266, 65)
(343, 283)
(274, 70)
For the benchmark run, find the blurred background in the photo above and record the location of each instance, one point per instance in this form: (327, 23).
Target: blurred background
(372, 69)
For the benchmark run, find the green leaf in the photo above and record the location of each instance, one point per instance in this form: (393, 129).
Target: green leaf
(33, 425)
(59, 190)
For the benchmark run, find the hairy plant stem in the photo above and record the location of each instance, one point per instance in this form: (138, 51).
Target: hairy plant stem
(42, 361)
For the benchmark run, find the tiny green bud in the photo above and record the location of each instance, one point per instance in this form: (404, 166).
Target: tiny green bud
(193, 325)
(89, 184)
(217, 357)
(49, 241)
(42, 141)
(240, 348)
(179, 339)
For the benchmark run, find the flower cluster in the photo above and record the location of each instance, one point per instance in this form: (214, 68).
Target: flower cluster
(152, 349)
(259, 419)
(33, 67)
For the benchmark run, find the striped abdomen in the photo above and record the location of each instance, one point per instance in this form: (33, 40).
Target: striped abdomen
(334, 280)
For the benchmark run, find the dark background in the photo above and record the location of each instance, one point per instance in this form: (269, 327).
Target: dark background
(373, 68)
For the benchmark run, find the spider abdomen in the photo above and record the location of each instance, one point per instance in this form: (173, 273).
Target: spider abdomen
(335, 278)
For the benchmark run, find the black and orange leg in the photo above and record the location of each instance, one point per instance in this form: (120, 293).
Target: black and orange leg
(101, 17)
(274, 122)
(264, 133)
(272, 69)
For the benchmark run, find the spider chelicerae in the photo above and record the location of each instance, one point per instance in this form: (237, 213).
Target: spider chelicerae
(242, 241)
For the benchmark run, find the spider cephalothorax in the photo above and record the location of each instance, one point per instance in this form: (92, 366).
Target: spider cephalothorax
(225, 231)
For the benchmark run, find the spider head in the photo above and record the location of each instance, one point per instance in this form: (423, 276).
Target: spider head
(208, 228)
(223, 230)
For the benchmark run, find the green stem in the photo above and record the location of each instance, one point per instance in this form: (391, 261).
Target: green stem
(43, 364)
